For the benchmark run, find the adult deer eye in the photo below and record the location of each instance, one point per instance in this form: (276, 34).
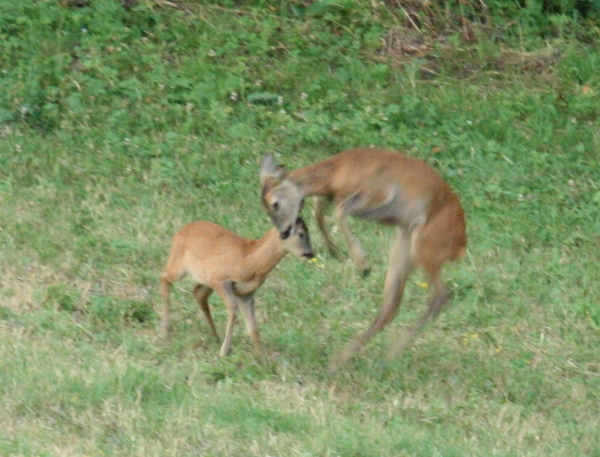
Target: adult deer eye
(275, 206)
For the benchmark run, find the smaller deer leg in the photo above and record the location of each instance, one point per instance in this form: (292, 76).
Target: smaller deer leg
(202, 292)
(320, 204)
(165, 286)
(172, 272)
(247, 307)
(231, 303)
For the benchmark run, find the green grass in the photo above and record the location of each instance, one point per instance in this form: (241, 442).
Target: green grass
(118, 127)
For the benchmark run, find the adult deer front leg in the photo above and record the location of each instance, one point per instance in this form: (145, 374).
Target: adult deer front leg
(357, 253)
(320, 204)
(374, 205)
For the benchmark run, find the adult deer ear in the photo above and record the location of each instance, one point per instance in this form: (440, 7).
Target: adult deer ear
(270, 170)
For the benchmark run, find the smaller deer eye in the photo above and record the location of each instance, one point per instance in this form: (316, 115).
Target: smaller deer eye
(301, 235)
(275, 206)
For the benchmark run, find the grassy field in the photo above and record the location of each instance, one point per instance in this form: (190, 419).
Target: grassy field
(119, 126)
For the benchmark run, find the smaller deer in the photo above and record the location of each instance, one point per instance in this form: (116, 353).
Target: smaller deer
(218, 260)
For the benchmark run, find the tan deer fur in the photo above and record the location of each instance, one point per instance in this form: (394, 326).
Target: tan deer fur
(218, 260)
(387, 187)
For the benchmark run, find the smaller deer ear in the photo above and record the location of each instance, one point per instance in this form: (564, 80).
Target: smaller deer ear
(270, 170)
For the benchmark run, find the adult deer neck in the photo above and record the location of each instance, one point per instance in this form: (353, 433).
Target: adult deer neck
(313, 179)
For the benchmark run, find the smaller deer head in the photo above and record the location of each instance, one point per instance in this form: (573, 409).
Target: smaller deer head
(298, 243)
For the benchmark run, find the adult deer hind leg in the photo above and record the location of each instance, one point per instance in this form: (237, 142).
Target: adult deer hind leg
(431, 248)
(399, 268)
(440, 241)
(202, 292)
(437, 300)
(320, 204)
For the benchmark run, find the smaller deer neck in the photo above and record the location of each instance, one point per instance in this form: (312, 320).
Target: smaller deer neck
(265, 253)
(313, 179)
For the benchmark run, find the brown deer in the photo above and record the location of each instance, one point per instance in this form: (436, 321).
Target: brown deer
(387, 187)
(218, 260)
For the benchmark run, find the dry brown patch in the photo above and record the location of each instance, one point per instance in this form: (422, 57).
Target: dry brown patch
(21, 285)
(540, 61)
(424, 30)
(24, 288)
